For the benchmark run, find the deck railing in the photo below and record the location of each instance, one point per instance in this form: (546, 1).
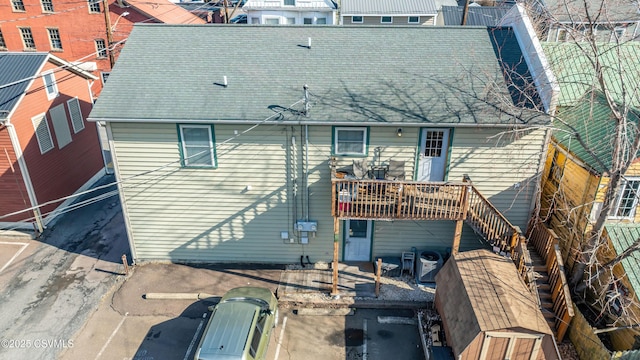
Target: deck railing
(390, 200)
(545, 241)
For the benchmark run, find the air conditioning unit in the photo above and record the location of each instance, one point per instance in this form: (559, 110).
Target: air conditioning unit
(428, 266)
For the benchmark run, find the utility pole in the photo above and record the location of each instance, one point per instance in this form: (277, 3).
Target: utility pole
(107, 21)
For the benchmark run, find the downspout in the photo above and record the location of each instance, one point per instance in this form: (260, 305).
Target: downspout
(306, 152)
(13, 136)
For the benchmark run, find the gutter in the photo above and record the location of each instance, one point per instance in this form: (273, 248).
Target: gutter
(320, 123)
(13, 136)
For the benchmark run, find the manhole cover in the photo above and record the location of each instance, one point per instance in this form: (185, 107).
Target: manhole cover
(353, 337)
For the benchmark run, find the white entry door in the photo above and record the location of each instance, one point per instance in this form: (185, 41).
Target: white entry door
(357, 240)
(433, 154)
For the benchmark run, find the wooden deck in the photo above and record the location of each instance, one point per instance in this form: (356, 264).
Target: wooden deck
(463, 203)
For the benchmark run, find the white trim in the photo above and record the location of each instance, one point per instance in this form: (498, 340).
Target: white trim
(413, 22)
(385, 22)
(364, 130)
(13, 136)
(123, 202)
(357, 22)
(54, 85)
(183, 144)
(616, 206)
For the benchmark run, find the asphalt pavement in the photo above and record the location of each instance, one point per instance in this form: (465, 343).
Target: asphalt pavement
(49, 286)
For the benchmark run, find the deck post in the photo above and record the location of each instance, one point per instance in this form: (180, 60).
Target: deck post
(336, 243)
(464, 201)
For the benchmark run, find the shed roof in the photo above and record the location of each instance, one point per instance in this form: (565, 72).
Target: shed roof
(17, 69)
(482, 291)
(385, 7)
(623, 237)
(359, 74)
(476, 16)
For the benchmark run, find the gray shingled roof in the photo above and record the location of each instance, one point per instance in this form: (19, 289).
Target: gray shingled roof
(15, 67)
(386, 7)
(477, 15)
(416, 75)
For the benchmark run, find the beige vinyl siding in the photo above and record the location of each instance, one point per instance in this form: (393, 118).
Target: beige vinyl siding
(210, 215)
(503, 166)
(390, 238)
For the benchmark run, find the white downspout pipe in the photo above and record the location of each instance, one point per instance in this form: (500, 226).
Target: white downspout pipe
(13, 136)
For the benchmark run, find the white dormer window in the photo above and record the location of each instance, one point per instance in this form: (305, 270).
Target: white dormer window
(290, 2)
(414, 20)
(386, 20)
(357, 19)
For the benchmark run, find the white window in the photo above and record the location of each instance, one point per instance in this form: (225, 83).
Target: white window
(101, 48)
(255, 20)
(350, 141)
(290, 2)
(307, 21)
(357, 19)
(414, 20)
(50, 85)
(3, 44)
(54, 39)
(321, 21)
(290, 21)
(386, 20)
(617, 35)
(27, 38)
(625, 206)
(197, 146)
(272, 21)
(76, 115)
(60, 125)
(47, 5)
(94, 6)
(562, 35)
(43, 135)
(17, 5)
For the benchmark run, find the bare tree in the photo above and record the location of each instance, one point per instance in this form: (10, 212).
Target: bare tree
(607, 76)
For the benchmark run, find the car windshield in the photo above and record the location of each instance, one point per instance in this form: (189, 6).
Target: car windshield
(258, 302)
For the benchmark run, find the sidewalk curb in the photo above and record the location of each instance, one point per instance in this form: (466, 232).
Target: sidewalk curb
(354, 304)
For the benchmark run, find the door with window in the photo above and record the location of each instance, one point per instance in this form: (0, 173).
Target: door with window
(432, 162)
(357, 240)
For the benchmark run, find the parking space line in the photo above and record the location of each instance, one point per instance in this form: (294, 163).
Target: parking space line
(104, 347)
(284, 324)
(24, 246)
(364, 340)
(195, 337)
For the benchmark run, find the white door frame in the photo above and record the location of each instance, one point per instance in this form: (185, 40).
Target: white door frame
(363, 245)
(432, 168)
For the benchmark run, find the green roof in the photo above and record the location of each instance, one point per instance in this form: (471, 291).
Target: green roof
(409, 75)
(623, 236)
(581, 104)
(572, 66)
(593, 122)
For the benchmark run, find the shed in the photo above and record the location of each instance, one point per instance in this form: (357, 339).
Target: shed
(488, 313)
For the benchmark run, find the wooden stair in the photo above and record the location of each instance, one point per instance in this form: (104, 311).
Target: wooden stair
(544, 288)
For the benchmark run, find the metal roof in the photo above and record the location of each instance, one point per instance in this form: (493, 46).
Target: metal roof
(623, 236)
(575, 11)
(386, 7)
(13, 68)
(477, 15)
(360, 74)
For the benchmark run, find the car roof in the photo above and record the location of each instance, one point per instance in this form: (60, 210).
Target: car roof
(227, 339)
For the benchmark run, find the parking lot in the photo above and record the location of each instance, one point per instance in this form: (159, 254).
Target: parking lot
(127, 326)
